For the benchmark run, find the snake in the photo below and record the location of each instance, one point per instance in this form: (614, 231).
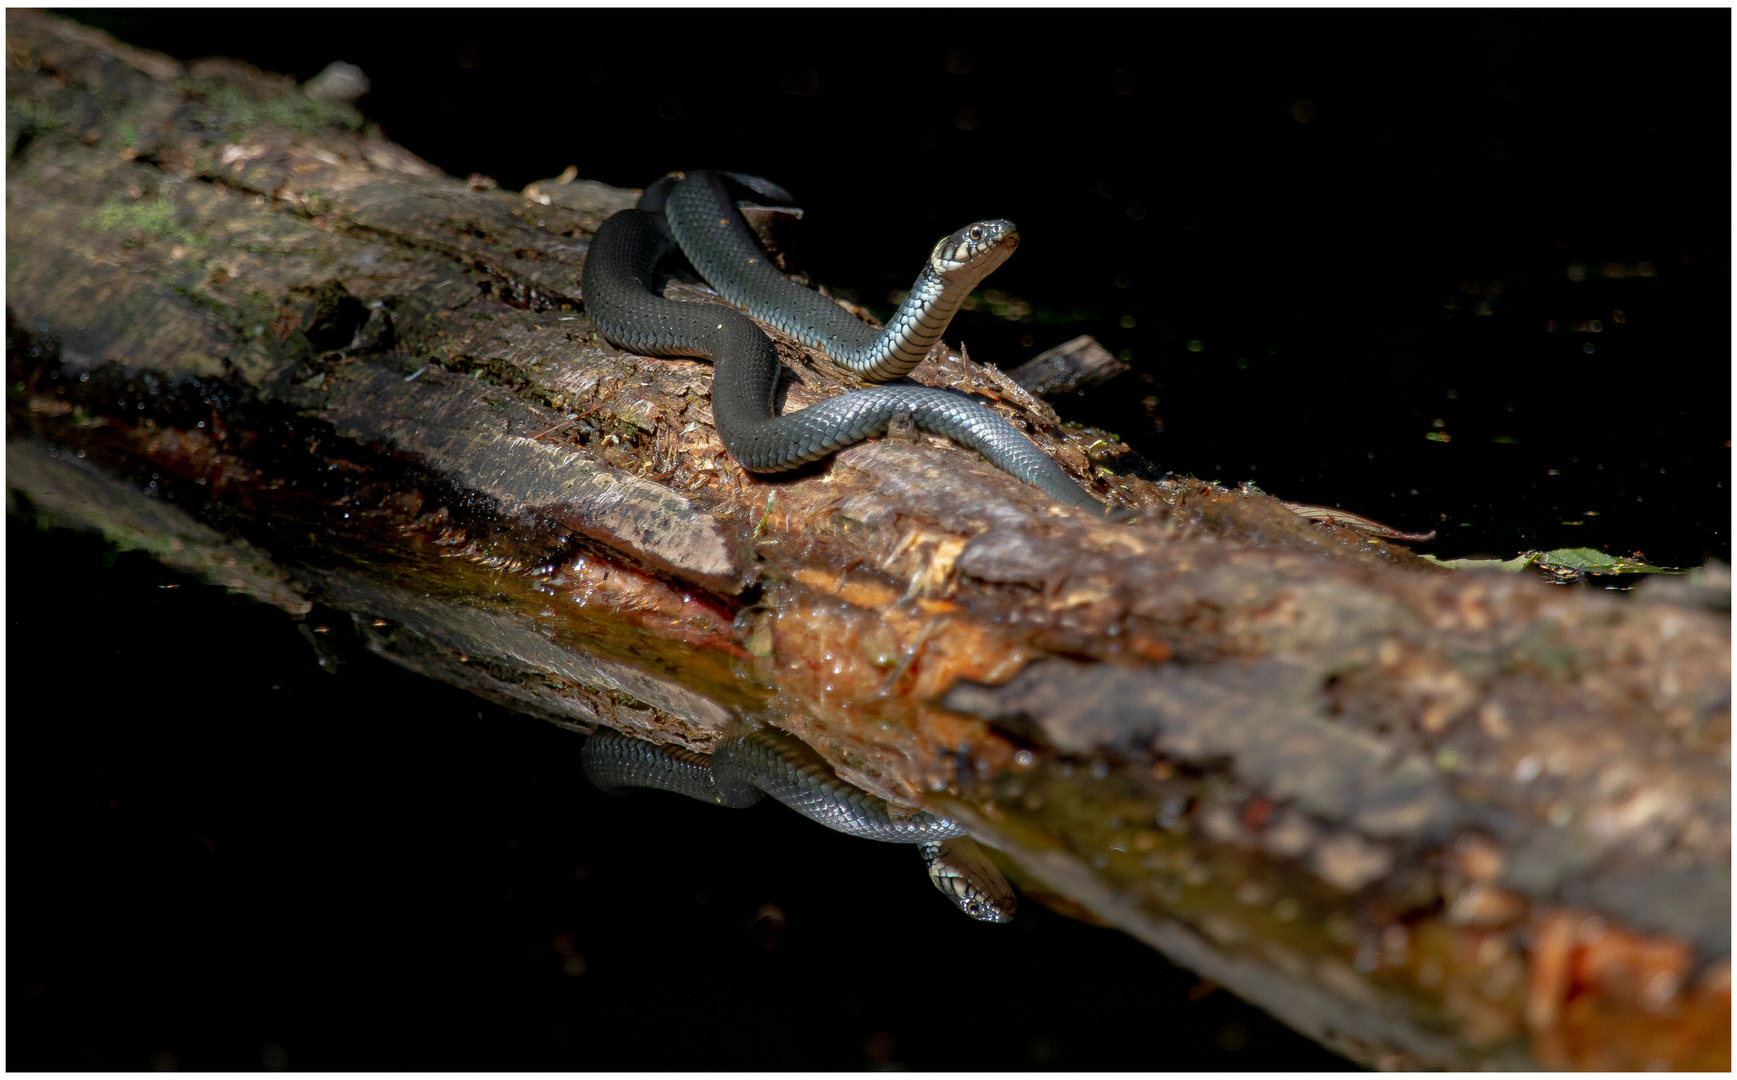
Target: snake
(744, 768)
(696, 214)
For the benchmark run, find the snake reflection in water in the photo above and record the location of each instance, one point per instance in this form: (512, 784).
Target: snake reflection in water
(743, 769)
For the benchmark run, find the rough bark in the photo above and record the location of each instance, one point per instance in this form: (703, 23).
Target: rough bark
(1432, 819)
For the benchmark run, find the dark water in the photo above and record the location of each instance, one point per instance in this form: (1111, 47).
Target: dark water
(221, 857)
(1315, 234)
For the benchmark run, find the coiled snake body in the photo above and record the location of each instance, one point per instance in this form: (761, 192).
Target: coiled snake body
(743, 769)
(700, 211)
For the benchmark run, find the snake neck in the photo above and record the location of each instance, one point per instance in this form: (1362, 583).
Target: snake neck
(915, 328)
(791, 772)
(613, 761)
(702, 216)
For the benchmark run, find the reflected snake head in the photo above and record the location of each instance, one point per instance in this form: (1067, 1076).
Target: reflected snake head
(965, 876)
(974, 250)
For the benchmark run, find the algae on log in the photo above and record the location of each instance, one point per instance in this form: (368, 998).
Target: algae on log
(1429, 818)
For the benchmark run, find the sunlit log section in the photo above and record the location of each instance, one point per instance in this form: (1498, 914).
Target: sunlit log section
(1431, 819)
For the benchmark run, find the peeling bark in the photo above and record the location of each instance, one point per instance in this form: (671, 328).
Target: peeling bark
(1431, 819)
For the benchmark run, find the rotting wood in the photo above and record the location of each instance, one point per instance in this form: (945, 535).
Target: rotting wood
(1429, 818)
(1078, 364)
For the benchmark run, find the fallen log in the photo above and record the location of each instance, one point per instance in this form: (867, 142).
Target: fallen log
(1428, 818)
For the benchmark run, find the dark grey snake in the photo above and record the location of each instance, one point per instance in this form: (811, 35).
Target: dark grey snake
(742, 769)
(699, 211)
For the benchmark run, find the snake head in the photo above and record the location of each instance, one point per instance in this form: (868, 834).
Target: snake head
(965, 876)
(975, 250)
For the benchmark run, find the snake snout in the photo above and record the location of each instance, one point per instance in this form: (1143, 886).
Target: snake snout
(999, 233)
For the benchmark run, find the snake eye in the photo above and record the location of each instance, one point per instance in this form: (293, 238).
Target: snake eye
(976, 232)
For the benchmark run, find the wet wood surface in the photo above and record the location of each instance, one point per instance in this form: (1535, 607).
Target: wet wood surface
(1432, 819)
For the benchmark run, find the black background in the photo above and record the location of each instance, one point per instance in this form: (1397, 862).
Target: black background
(1315, 234)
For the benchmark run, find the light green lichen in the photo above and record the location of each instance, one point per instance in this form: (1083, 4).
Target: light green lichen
(154, 217)
(240, 113)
